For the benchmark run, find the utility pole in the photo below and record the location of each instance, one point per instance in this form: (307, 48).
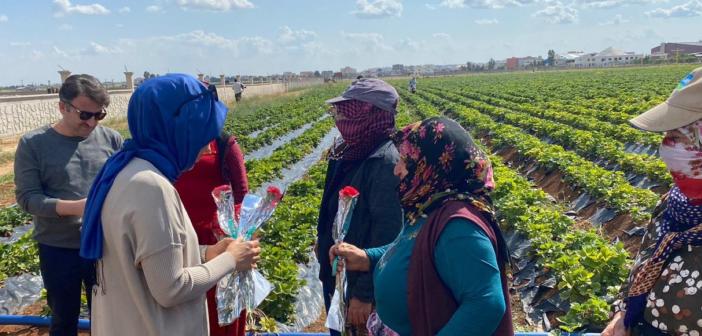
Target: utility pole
(677, 55)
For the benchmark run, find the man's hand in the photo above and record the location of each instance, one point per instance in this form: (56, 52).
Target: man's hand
(358, 312)
(70, 208)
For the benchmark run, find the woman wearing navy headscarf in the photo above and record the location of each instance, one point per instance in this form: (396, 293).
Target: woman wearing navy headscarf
(152, 274)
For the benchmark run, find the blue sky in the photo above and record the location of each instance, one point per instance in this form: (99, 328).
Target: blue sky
(271, 36)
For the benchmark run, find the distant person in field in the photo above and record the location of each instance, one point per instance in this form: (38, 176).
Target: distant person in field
(445, 274)
(664, 292)
(153, 273)
(54, 168)
(413, 85)
(222, 162)
(364, 158)
(238, 89)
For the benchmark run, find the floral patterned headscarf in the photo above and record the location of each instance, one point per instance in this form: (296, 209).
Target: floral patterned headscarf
(443, 163)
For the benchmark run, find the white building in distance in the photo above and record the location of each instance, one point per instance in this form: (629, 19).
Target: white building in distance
(607, 58)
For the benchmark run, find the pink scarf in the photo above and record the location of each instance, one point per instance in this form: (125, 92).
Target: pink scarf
(363, 126)
(681, 151)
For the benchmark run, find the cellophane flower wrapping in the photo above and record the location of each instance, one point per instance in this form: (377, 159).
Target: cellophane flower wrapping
(242, 290)
(336, 318)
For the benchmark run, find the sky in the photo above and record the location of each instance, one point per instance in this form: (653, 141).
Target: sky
(241, 37)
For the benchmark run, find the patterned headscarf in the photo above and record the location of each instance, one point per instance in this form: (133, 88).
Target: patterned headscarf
(443, 163)
(363, 127)
(681, 151)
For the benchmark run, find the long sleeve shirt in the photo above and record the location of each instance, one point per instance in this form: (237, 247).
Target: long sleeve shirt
(151, 279)
(467, 264)
(50, 167)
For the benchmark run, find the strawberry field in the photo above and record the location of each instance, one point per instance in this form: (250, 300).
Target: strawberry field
(575, 183)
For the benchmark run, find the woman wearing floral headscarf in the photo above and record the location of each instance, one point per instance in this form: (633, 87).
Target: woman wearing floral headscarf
(664, 294)
(363, 158)
(445, 273)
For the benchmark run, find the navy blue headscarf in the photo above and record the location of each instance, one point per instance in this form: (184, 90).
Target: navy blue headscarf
(171, 119)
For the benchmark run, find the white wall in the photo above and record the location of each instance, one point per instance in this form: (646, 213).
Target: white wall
(21, 114)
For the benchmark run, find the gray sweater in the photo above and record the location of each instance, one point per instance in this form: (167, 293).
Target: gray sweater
(50, 166)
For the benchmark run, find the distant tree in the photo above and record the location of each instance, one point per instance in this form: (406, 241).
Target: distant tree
(491, 64)
(147, 75)
(551, 58)
(317, 74)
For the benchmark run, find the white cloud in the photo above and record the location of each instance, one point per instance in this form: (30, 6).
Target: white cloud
(36, 55)
(125, 9)
(59, 52)
(410, 44)
(65, 27)
(20, 44)
(98, 49)
(255, 44)
(689, 9)
(119, 25)
(64, 7)
(557, 12)
(617, 20)
(494, 4)
(198, 39)
(430, 6)
(487, 21)
(378, 8)
(154, 9)
(368, 41)
(289, 36)
(442, 36)
(215, 5)
(615, 3)
(3, 18)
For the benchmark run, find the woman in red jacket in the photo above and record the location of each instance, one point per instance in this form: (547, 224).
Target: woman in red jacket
(222, 164)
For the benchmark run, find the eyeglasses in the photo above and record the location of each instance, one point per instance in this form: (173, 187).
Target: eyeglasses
(85, 115)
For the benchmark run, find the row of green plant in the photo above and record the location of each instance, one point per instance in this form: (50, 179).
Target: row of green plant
(611, 91)
(610, 187)
(590, 144)
(271, 167)
(19, 257)
(304, 116)
(587, 267)
(277, 111)
(622, 132)
(286, 242)
(11, 217)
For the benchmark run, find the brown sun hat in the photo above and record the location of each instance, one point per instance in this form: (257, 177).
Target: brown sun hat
(683, 107)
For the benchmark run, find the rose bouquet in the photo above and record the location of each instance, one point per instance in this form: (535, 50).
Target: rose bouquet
(242, 290)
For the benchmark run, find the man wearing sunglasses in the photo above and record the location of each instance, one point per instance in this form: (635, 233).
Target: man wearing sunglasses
(55, 166)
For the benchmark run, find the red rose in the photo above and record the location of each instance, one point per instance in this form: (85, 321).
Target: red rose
(349, 192)
(274, 192)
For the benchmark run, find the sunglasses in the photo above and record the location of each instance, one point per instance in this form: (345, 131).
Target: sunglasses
(85, 115)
